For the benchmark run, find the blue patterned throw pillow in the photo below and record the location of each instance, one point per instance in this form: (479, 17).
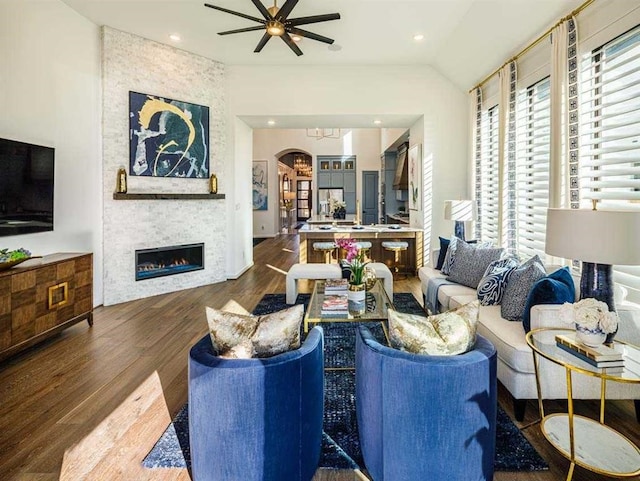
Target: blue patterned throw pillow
(517, 291)
(450, 256)
(494, 281)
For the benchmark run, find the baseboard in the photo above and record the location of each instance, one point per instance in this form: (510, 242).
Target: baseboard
(233, 276)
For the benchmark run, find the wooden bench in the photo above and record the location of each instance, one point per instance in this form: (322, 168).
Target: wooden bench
(330, 271)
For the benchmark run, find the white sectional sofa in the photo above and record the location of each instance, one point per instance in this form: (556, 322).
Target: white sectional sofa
(515, 360)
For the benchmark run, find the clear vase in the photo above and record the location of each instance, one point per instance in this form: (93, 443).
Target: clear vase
(590, 337)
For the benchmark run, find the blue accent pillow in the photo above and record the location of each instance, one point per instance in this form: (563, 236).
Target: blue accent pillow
(494, 280)
(556, 288)
(444, 246)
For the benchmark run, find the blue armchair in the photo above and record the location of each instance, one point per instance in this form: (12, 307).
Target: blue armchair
(426, 417)
(256, 419)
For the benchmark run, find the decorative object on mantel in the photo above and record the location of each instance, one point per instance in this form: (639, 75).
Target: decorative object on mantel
(213, 184)
(592, 319)
(121, 181)
(460, 211)
(8, 258)
(598, 238)
(168, 138)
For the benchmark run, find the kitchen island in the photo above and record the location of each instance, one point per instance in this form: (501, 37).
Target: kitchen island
(376, 234)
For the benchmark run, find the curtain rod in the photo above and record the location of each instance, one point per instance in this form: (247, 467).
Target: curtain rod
(534, 43)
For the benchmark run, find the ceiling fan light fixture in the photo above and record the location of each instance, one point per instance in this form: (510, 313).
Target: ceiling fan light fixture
(275, 28)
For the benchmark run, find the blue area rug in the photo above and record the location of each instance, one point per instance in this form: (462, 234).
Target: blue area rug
(340, 443)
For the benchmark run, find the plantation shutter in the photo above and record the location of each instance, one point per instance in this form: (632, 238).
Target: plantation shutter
(610, 134)
(532, 168)
(489, 178)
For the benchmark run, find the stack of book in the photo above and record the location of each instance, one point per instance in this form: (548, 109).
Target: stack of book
(335, 305)
(336, 286)
(601, 356)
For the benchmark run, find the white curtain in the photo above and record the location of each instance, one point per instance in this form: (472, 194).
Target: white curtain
(564, 115)
(507, 211)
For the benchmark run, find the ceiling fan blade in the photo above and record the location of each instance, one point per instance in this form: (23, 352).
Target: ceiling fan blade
(292, 45)
(240, 30)
(263, 10)
(284, 12)
(263, 41)
(313, 19)
(311, 35)
(248, 17)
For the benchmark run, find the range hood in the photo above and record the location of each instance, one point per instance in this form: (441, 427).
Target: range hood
(401, 179)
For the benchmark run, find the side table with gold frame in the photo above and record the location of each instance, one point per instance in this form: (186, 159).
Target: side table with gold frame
(586, 442)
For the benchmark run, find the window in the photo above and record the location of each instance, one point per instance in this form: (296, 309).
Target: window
(488, 193)
(532, 168)
(610, 134)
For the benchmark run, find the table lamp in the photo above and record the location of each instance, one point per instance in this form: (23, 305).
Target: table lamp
(460, 211)
(598, 238)
(288, 199)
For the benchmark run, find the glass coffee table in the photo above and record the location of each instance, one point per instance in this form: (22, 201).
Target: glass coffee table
(377, 304)
(583, 441)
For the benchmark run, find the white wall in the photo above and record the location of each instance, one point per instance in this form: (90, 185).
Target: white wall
(267, 143)
(413, 90)
(50, 95)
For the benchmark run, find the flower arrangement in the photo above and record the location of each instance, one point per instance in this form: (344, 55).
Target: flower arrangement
(337, 205)
(354, 262)
(591, 317)
(12, 258)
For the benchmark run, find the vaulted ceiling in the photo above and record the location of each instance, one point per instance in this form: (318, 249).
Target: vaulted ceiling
(463, 39)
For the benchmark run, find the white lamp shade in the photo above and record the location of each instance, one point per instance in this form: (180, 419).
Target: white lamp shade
(598, 236)
(462, 210)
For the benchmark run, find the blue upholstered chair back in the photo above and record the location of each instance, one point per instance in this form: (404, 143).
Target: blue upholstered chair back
(256, 419)
(426, 417)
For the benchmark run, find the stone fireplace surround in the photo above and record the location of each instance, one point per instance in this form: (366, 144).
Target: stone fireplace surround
(132, 63)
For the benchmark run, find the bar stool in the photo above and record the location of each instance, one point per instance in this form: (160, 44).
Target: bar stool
(327, 248)
(397, 247)
(365, 248)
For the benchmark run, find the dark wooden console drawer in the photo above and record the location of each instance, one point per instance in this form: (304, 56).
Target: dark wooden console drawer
(41, 297)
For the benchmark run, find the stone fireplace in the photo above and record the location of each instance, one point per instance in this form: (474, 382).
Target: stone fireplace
(168, 261)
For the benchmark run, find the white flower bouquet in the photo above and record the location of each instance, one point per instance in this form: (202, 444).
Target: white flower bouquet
(592, 319)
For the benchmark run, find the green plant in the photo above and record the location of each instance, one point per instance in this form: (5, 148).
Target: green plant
(16, 255)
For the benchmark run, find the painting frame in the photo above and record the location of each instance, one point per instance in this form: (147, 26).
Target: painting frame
(415, 176)
(260, 184)
(168, 137)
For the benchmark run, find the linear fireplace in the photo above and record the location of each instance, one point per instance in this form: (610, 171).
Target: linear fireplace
(167, 261)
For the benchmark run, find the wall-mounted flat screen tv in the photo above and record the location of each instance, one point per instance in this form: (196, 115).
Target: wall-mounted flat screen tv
(26, 188)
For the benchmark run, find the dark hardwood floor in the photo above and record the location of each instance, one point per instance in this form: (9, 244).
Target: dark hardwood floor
(59, 392)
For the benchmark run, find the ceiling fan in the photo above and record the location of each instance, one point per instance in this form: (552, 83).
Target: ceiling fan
(277, 24)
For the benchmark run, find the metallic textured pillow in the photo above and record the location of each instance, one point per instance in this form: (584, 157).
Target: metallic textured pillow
(241, 336)
(471, 263)
(228, 330)
(278, 332)
(520, 284)
(446, 334)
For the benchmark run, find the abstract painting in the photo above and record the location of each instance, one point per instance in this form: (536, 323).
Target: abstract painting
(415, 181)
(260, 183)
(167, 138)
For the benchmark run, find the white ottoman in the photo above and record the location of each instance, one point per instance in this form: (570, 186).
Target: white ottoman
(309, 271)
(330, 271)
(383, 272)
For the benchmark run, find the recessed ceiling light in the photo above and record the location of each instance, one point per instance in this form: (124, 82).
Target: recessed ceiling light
(271, 122)
(175, 37)
(334, 47)
(377, 122)
(296, 38)
(418, 36)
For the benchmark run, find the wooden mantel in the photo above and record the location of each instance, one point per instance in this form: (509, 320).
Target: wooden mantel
(164, 196)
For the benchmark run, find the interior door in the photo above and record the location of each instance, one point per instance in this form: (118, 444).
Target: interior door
(369, 197)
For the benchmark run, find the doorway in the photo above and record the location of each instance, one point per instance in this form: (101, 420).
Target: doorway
(369, 197)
